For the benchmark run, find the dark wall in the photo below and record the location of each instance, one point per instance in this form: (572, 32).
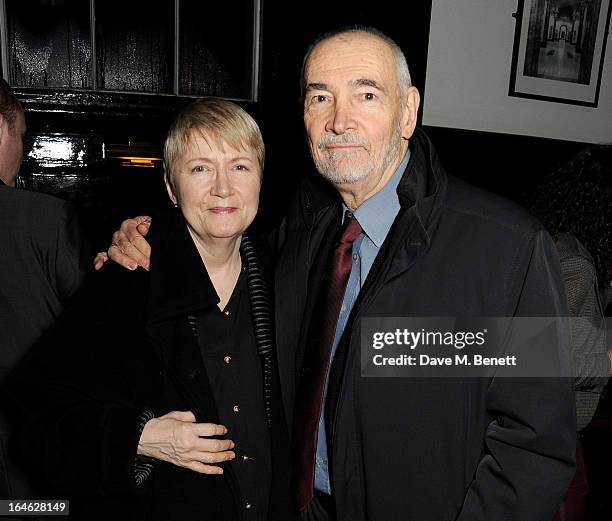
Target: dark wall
(106, 193)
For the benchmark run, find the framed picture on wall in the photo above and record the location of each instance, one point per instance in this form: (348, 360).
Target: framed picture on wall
(559, 50)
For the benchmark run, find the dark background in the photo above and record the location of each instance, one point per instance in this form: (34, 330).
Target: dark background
(105, 193)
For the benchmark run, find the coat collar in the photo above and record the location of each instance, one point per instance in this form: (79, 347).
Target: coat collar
(179, 282)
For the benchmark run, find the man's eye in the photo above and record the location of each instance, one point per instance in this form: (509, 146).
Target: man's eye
(319, 98)
(369, 96)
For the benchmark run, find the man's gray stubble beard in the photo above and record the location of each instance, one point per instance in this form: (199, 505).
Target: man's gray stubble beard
(335, 177)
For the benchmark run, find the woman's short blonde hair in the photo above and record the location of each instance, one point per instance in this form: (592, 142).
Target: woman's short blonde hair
(220, 120)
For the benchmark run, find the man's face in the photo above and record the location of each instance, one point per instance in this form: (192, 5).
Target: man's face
(353, 111)
(11, 148)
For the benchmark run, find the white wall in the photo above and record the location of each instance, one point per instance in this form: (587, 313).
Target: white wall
(468, 75)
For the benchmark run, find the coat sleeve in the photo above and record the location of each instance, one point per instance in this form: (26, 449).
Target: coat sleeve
(73, 254)
(78, 418)
(591, 363)
(529, 455)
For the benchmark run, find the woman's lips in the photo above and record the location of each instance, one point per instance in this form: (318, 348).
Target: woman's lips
(222, 210)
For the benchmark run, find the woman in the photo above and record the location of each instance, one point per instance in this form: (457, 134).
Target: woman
(164, 403)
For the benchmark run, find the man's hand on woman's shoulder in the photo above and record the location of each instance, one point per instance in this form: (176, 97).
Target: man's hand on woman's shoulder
(129, 248)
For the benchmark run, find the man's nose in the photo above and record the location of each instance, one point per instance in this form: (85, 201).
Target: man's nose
(341, 119)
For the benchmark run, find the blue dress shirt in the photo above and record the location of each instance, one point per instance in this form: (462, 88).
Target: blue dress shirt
(375, 215)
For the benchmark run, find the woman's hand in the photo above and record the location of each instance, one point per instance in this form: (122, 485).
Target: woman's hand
(177, 439)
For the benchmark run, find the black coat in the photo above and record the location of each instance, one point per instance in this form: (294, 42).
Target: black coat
(434, 449)
(124, 347)
(43, 261)
(44, 257)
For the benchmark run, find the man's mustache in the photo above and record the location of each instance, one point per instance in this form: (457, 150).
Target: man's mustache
(342, 139)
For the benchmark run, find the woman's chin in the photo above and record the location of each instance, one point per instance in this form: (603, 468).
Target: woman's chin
(224, 233)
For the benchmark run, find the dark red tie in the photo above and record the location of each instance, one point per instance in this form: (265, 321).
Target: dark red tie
(309, 399)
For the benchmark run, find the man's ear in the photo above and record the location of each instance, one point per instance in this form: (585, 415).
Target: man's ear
(411, 111)
(3, 128)
(169, 189)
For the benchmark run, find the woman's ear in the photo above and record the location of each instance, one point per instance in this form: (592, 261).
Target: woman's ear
(170, 189)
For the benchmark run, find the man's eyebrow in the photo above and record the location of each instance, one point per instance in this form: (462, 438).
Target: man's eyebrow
(317, 86)
(365, 82)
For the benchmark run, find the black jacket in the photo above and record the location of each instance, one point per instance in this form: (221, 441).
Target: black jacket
(124, 347)
(44, 257)
(43, 262)
(434, 449)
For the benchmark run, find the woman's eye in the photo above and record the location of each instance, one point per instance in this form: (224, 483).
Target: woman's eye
(198, 169)
(242, 168)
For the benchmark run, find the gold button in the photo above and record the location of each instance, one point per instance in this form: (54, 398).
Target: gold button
(226, 312)
(248, 506)
(236, 408)
(227, 359)
(245, 458)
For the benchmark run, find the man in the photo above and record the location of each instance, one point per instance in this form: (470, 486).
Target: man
(412, 242)
(43, 261)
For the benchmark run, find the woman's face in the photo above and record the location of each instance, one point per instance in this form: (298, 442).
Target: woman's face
(217, 187)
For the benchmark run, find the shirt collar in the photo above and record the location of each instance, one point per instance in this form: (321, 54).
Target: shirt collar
(376, 215)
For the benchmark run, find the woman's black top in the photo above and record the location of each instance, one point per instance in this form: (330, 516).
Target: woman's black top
(234, 370)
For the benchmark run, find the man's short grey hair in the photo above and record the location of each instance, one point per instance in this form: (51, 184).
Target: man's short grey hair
(401, 65)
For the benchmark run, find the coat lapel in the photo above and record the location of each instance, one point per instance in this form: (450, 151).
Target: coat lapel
(179, 287)
(178, 350)
(298, 278)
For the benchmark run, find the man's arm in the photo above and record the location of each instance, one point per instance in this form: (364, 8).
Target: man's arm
(72, 254)
(129, 248)
(529, 448)
(591, 362)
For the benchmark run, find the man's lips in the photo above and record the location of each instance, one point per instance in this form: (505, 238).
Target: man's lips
(342, 147)
(222, 210)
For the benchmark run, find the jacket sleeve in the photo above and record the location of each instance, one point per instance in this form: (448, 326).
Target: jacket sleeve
(73, 254)
(591, 363)
(78, 419)
(529, 455)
